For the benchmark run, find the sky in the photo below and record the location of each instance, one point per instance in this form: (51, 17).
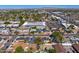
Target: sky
(37, 6)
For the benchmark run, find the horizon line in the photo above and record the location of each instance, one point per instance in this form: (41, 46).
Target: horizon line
(38, 6)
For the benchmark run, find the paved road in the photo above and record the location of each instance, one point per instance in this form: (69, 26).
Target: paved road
(13, 40)
(8, 43)
(24, 35)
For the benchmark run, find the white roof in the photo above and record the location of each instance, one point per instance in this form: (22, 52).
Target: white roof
(74, 38)
(66, 44)
(4, 31)
(66, 25)
(34, 24)
(14, 25)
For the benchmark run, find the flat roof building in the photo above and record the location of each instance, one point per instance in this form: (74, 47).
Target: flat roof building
(34, 24)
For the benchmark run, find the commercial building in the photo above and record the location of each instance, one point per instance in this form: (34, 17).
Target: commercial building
(26, 24)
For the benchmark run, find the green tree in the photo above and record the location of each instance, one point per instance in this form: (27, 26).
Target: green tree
(36, 17)
(58, 36)
(19, 49)
(21, 20)
(38, 41)
(6, 23)
(51, 51)
(30, 50)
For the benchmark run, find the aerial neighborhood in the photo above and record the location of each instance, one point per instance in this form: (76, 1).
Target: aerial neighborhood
(44, 30)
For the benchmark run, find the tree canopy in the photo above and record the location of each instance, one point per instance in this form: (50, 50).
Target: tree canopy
(19, 49)
(57, 35)
(7, 23)
(38, 41)
(51, 51)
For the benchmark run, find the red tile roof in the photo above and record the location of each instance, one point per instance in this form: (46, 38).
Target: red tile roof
(59, 48)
